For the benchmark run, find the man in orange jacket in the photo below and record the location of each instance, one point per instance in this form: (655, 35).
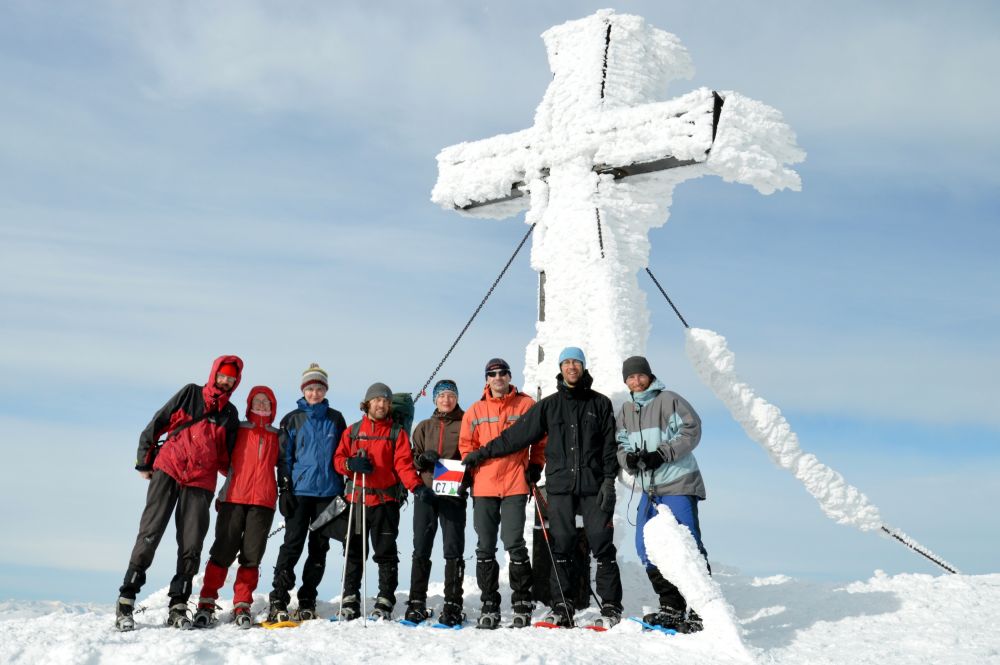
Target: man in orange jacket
(500, 489)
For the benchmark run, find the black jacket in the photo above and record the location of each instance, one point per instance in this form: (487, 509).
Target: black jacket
(581, 451)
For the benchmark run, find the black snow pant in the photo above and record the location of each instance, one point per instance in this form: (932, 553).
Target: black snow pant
(507, 514)
(191, 519)
(600, 531)
(240, 528)
(382, 526)
(297, 532)
(450, 512)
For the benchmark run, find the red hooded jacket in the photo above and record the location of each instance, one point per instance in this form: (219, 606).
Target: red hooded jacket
(193, 455)
(252, 478)
(392, 461)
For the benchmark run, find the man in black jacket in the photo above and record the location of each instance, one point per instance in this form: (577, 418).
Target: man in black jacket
(580, 470)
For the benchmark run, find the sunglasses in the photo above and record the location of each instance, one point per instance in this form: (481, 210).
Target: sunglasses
(498, 372)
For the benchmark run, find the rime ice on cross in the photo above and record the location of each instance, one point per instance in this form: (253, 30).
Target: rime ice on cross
(598, 168)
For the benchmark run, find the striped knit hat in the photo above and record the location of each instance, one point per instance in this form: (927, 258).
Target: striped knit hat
(315, 374)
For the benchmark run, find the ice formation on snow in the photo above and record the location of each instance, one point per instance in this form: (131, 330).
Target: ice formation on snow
(602, 110)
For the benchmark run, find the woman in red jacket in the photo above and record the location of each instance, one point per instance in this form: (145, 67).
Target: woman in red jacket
(246, 511)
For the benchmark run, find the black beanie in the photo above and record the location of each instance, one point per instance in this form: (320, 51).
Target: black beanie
(636, 365)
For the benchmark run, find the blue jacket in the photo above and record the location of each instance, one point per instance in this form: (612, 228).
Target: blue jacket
(308, 438)
(658, 419)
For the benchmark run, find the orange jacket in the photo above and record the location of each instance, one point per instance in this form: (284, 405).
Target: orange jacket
(483, 422)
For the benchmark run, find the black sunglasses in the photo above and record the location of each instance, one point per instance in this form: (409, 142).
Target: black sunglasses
(498, 372)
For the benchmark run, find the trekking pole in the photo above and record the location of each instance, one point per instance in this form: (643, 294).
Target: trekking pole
(364, 544)
(347, 549)
(548, 545)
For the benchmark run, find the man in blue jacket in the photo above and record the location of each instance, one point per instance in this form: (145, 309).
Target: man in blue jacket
(307, 483)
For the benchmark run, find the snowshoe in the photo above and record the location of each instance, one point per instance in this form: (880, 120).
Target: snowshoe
(278, 612)
(417, 612)
(306, 612)
(668, 618)
(693, 623)
(178, 617)
(522, 614)
(204, 616)
(241, 616)
(350, 609)
(452, 616)
(123, 615)
(489, 617)
(382, 609)
(650, 626)
(611, 616)
(560, 616)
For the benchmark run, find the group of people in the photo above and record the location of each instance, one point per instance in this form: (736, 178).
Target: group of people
(314, 467)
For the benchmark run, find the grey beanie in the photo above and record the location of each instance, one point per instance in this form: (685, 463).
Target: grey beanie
(636, 365)
(378, 390)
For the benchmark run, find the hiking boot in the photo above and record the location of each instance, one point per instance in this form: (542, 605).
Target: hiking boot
(123, 614)
(350, 608)
(204, 616)
(489, 616)
(306, 611)
(611, 615)
(278, 612)
(452, 615)
(522, 614)
(383, 609)
(561, 615)
(693, 623)
(667, 617)
(416, 611)
(178, 617)
(241, 616)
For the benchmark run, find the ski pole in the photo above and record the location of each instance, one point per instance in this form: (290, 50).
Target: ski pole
(347, 549)
(364, 543)
(548, 545)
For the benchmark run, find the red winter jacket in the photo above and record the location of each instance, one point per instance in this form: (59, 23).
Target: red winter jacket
(194, 455)
(392, 461)
(252, 478)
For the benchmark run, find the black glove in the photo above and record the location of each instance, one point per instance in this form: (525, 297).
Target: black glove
(361, 465)
(533, 473)
(632, 462)
(425, 494)
(476, 457)
(606, 495)
(426, 460)
(652, 459)
(287, 503)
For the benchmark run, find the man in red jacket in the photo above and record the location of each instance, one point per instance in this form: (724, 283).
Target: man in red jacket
(375, 453)
(200, 425)
(246, 511)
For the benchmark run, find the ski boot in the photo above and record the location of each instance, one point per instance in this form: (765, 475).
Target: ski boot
(204, 616)
(350, 608)
(278, 612)
(123, 614)
(611, 615)
(522, 614)
(416, 611)
(451, 615)
(667, 617)
(560, 615)
(306, 611)
(382, 609)
(693, 623)
(178, 617)
(241, 616)
(489, 616)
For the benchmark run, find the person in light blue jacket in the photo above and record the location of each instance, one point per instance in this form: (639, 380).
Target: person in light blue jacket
(657, 432)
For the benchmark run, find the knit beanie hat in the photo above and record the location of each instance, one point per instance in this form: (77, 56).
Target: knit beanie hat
(445, 385)
(497, 363)
(315, 374)
(378, 390)
(636, 365)
(572, 353)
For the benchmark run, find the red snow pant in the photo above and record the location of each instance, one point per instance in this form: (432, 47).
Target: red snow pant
(239, 529)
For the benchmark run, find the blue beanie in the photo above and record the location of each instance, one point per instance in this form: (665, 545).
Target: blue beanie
(443, 385)
(573, 353)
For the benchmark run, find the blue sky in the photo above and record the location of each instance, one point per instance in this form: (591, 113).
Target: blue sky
(182, 180)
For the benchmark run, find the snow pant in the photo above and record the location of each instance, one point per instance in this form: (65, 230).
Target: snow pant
(297, 532)
(685, 510)
(381, 531)
(507, 514)
(543, 588)
(191, 520)
(451, 513)
(600, 531)
(239, 529)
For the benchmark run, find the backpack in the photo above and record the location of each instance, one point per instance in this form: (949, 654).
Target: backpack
(403, 411)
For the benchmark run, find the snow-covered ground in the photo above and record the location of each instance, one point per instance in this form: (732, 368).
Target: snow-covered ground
(885, 620)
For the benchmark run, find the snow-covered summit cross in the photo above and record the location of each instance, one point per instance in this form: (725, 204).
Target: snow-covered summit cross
(599, 167)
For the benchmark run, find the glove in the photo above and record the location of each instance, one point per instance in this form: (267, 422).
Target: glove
(287, 503)
(533, 473)
(426, 460)
(476, 457)
(606, 495)
(652, 459)
(632, 462)
(361, 465)
(425, 494)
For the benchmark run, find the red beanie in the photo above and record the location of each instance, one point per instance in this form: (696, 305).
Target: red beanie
(230, 369)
